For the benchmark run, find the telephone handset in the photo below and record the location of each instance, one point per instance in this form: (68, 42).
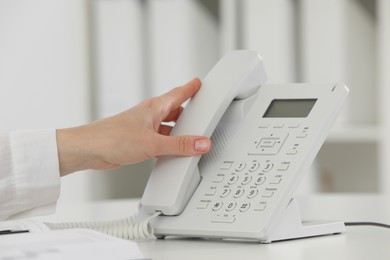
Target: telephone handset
(174, 179)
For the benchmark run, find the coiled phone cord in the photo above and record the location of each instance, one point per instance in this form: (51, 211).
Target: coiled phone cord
(122, 228)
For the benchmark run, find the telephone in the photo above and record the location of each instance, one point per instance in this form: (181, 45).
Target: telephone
(265, 138)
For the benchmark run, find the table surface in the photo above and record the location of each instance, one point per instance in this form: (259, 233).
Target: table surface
(358, 242)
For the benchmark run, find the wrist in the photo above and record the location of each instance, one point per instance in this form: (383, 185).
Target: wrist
(72, 154)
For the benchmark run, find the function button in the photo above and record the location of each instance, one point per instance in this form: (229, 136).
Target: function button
(240, 167)
(226, 165)
(231, 206)
(238, 193)
(268, 193)
(267, 166)
(283, 166)
(278, 125)
(232, 179)
(246, 180)
(223, 219)
(252, 193)
(225, 192)
(263, 125)
(219, 178)
(276, 180)
(263, 146)
(211, 191)
(260, 206)
(293, 150)
(217, 205)
(203, 205)
(260, 180)
(293, 125)
(244, 206)
(301, 135)
(253, 166)
(265, 142)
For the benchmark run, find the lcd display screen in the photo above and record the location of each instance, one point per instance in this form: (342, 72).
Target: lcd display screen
(290, 108)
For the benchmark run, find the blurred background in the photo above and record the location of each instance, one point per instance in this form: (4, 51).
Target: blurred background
(67, 62)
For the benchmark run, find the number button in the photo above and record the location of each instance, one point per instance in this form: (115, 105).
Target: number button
(260, 180)
(225, 192)
(254, 166)
(246, 180)
(267, 166)
(238, 193)
(240, 167)
(245, 206)
(233, 179)
(231, 206)
(252, 193)
(217, 206)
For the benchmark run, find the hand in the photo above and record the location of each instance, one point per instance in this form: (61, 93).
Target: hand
(131, 136)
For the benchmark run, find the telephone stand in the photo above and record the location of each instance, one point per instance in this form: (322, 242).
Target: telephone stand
(289, 225)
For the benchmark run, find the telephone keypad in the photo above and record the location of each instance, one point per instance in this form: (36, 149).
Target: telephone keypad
(246, 187)
(251, 184)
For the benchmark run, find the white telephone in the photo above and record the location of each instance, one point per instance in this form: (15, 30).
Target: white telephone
(264, 140)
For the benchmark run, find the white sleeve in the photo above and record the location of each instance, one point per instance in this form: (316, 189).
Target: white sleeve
(29, 173)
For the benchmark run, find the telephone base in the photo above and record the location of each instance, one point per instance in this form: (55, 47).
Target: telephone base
(290, 226)
(287, 225)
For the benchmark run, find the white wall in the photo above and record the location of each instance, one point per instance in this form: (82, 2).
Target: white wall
(43, 70)
(142, 49)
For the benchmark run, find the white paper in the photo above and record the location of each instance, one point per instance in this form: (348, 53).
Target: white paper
(66, 244)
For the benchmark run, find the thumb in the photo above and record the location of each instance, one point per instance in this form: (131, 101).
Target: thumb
(184, 145)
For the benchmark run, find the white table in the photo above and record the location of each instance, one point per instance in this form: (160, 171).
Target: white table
(365, 242)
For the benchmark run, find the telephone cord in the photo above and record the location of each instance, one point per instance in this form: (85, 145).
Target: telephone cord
(122, 228)
(377, 224)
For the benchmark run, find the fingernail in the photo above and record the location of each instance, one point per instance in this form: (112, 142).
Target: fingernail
(202, 145)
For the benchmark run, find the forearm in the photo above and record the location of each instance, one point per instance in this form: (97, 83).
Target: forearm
(71, 154)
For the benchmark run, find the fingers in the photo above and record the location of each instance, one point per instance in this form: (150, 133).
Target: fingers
(173, 99)
(183, 145)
